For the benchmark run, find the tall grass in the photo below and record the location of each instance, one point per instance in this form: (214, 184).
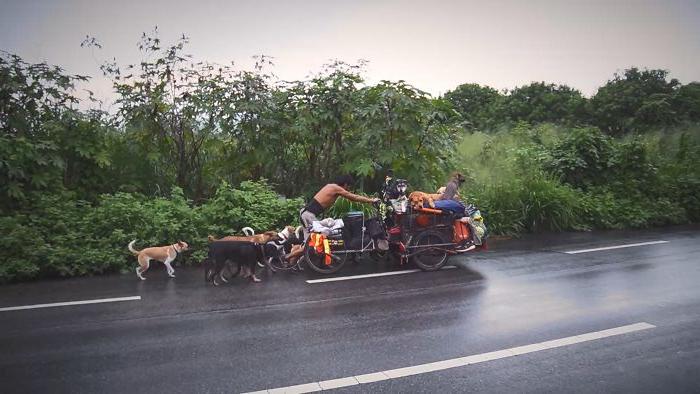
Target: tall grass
(653, 179)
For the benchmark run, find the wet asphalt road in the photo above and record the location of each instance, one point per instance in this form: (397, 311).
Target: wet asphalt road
(184, 336)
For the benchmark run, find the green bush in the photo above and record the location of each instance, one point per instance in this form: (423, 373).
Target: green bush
(253, 204)
(596, 181)
(534, 203)
(342, 206)
(61, 236)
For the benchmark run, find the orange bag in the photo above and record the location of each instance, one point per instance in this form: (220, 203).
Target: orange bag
(321, 245)
(461, 231)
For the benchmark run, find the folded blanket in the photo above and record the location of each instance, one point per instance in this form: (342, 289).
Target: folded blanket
(450, 205)
(326, 226)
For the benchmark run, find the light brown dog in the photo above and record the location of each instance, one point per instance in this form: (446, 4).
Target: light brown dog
(294, 254)
(418, 199)
(166, 254)
(262, 238)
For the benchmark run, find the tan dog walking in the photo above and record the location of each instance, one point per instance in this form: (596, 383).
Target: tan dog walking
(166, 254)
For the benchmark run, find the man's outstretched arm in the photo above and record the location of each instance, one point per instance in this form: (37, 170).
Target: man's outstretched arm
(354, 197)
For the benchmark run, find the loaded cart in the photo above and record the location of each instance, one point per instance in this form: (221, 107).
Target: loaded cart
(427, 237)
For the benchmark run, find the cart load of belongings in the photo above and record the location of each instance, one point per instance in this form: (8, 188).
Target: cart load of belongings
(325, 233)
(350, 233)
(465, 216)
(359, 230)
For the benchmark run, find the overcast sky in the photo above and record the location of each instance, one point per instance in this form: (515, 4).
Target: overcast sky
(434, 45)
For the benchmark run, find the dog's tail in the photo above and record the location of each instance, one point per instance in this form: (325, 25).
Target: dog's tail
(131, 248)
(248, 231)
(211, 238)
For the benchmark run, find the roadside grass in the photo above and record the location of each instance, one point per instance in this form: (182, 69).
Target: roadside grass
(518, 178)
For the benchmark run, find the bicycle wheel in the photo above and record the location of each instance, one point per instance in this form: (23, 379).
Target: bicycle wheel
(279, 263)
(317, 261)
(426, 257)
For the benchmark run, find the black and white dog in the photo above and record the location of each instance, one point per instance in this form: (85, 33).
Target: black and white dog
(394, 188)
(242, 256)
(288, 237)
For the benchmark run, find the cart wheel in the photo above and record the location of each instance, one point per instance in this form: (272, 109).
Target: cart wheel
(279, 263)
(276, 263)
(426, 258)
(317, 262)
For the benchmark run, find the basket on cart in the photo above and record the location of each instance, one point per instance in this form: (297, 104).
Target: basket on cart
(416, 221)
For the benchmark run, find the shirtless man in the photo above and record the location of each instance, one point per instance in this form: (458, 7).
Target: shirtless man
(322, 201)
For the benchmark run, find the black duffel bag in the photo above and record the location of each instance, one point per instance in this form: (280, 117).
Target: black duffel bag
(352, 230)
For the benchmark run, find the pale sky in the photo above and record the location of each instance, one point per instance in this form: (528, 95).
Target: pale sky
(434, 45)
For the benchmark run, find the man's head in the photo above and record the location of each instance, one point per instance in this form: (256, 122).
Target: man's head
(458, 177)
(344, 181)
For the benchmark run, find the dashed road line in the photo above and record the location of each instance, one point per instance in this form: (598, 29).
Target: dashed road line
(456, 362)
(69, 303)
(615, 247)
(341, 278)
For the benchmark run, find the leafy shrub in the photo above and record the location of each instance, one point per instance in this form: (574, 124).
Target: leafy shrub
(534, 203)
(598, 182)
(253, 204)
(61, 236)
(583, 158)
(342, 206)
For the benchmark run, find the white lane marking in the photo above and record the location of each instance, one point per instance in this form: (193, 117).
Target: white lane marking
(458, 362)
(300, 388)
(339, 278)
(55, 304)
(336, 383)
(615, 247)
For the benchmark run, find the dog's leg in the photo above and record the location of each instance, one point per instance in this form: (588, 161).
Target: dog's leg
(171, 270)
(143, 266)
(253, 274)
(243, 269)
(218, 271)
(138, 273)
(237, 272)
(227, 266)
(208, 269)
(256, 271)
